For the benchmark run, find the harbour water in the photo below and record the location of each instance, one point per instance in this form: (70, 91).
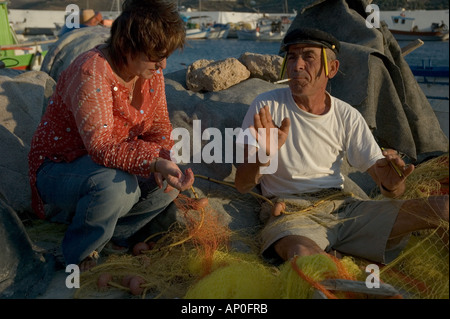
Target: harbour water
(434, 52)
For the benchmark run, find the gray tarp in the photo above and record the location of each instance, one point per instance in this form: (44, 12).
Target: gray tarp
(22, 97)
(71, 45)
(25, 272)
(375, 78)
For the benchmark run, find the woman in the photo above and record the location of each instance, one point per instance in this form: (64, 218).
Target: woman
(101, 153)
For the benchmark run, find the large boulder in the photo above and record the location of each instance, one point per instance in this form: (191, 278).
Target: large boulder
(213, 76)
(263, 66)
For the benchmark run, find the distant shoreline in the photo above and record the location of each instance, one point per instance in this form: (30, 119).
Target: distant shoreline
(48, 18)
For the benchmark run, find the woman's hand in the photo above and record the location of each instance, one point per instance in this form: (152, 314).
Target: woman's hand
(168, 170)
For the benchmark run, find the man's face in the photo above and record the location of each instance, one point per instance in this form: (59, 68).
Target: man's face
(305, 68)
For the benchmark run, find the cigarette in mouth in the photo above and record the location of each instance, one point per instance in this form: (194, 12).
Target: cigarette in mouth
(282, 81)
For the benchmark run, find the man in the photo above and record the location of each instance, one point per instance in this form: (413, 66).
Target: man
(314, 132)
(88, 18)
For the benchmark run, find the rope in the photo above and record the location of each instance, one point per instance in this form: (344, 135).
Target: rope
(232, 185)
(311, 281)
(330, 197)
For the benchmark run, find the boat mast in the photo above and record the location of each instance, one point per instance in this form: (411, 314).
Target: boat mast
(117, 3)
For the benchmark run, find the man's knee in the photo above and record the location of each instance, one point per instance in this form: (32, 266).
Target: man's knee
(293, 245)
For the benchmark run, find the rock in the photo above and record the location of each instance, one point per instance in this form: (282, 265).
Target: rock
(204, 75)
(263, 66)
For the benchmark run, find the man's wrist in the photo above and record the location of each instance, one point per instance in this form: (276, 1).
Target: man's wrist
(393, 193)
(387, 189)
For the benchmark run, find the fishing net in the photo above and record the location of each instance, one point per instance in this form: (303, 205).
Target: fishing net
(195, 260)
(422, 270)
(174, 261)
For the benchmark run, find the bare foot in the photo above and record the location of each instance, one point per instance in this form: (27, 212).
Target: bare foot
(89, 262)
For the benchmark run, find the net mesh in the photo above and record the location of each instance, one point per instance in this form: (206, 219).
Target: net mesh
(422, 269)
(195, 260)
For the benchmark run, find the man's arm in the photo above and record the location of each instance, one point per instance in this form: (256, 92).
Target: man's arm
(248, 175)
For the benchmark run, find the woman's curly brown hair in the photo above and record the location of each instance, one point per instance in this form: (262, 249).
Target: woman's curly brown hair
(152, 27)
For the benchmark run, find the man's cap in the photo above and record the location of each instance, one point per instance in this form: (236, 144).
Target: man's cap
(310, 36)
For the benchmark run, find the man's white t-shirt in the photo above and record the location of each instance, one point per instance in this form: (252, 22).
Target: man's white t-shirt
(311, 158)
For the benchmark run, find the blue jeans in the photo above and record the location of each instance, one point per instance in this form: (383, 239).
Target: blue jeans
(99, 204)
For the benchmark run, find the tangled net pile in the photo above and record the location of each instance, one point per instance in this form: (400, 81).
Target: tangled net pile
(195, 260)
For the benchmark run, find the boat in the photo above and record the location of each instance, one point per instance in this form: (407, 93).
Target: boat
(197, 27)
(219, 31)
(267, 29)
(197, 33)
(245, 34)
(272, 36)
(404, 29)
(16, 54)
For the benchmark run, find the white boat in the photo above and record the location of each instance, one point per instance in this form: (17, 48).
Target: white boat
(197, 26)
(247, 34)
(267, 29)
(219, 31)
(404, 29)
(271, 36)
(197, 33)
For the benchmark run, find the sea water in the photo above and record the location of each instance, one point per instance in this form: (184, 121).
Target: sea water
(434, 52)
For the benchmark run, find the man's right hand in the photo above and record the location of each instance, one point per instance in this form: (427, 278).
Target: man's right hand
(263, 120)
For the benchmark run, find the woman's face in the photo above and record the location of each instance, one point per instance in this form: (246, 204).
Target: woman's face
(143, 67)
